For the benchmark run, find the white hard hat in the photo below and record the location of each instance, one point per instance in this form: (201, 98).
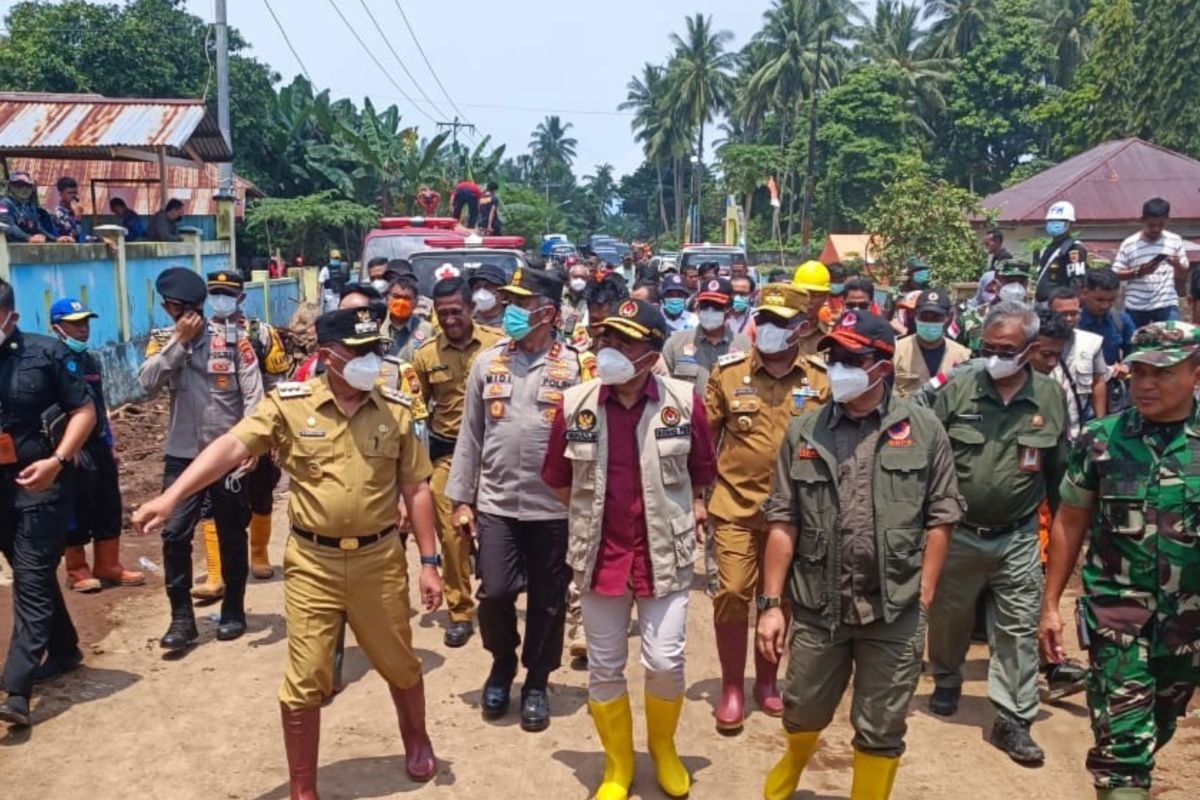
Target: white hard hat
(1062, 210)
(667, 265)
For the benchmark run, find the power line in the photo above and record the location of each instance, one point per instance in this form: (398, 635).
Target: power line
(382, 68)
(396, 55)
(425, 58)
(288, 41)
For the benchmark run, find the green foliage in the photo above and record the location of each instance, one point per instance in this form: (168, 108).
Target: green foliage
(307, 225)
(1166, 100)
(917, 215)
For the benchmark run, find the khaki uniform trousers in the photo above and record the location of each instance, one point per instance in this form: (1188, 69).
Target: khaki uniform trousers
(456, 549)
(366, 588)
(738, 552)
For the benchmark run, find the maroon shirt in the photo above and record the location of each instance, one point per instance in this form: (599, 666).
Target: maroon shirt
(623, 561)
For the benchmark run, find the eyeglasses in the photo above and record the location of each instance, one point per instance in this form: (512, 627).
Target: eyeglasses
(859, 306)
(987, 351)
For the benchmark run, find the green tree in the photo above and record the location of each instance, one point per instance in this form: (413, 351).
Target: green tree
(1166, 103)
(307, 225)
(651, 124)
(1067, 34)
(553, 152)
(958, 24)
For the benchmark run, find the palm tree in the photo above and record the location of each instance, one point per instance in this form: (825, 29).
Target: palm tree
(646, 97)
(1066, 33)
(958, 24)
(895, 40)
(552, 150)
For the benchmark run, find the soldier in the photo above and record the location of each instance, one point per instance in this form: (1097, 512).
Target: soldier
(1007, 426)
(861, 506)
(97, 504)
(404, 329)
(691, 355)
(631, 455)
(500, 498)
(1013, 281)
(36, 467)
(1130, 488)
(442, 365)
(350, 454)
(749, 400)
(927, 357)
(213, 378)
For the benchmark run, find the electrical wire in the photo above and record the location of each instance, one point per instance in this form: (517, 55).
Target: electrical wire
(287, 40)
(396, 56)
(425, 58)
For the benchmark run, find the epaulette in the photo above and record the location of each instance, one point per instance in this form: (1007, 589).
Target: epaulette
(395, 396)
(816, 361)
(427, 342)
(289, 389)
(162, 335)
(730, 358)
(491, 329)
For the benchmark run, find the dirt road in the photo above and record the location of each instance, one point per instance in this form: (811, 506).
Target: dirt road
(205, 726)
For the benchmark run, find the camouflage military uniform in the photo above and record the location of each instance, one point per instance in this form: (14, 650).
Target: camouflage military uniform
(970, 328)
(1141, 580)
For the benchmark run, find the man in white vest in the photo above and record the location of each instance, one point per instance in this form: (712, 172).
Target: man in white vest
(630, 455)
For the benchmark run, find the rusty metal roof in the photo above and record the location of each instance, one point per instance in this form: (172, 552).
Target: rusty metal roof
(1108, 183)
(91, 126)
(135, 182)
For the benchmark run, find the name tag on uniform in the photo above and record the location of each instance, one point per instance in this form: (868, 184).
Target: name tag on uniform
(970, 417)
(582, 436)
(677, 432)
(1031, 459)
(807, 451)
(310, 433)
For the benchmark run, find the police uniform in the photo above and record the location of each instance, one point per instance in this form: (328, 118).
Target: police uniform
(343, 562)
(1009, 457)
(1141, 575)
(749, 410)
(858, 495)
(213, 382)
(441, 370)
(1063, 263)
(691, 355)
(511, 396)
(36, 372)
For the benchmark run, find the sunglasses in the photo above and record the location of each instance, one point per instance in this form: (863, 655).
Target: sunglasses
(859, 306)
(987, 351)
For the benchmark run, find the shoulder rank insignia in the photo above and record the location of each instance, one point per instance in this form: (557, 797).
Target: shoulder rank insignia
(289, 389)
(816, 361)
(395, 396)
(730, 358)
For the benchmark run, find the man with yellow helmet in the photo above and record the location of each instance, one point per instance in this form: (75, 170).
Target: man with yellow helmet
(813, 277)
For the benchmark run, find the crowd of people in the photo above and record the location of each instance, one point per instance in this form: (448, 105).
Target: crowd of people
(869, 479)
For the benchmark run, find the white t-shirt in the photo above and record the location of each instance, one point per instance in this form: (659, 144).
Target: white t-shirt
(1156, 290)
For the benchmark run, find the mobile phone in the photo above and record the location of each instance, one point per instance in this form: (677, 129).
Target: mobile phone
(1154, 262)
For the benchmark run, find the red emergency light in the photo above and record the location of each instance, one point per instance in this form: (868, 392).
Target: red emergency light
(437, 223)
(492, 242)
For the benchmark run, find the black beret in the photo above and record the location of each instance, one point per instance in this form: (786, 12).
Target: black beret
(350, 326)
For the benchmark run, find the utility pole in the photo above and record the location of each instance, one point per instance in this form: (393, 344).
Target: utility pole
(225, 170)
(454, 126)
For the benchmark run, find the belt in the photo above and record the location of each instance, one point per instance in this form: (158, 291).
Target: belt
(343, 542)
(993, 531)
(440, 446)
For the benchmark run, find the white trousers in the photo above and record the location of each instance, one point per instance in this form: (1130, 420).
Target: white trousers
(663, 623)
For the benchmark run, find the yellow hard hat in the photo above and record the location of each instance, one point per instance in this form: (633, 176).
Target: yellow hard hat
(335, 255)
(811, 275)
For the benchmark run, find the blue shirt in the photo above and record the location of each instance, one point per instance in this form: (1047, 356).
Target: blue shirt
(1117, 338)
(134, 224)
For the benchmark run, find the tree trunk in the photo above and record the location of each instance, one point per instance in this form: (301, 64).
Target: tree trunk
(662, 200)
(806, 208)
(678, 185)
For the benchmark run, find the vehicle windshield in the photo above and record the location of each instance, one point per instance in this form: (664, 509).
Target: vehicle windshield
(425, 264)
(720, 258)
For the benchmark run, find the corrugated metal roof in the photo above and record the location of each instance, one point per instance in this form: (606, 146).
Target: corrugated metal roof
(90, 126)
(195, 186)
(1108, 183)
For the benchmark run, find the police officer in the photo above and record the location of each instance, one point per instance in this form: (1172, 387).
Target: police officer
(442, 365)
(404, 330)
(485, 282)
(500, 498)
(749, 400)
(1063, 262)
(1007, 426)
(40, 381)
(1130, 488)
(927, 357)
(213, 378)
(96, 516)
(691, 355)
(859, 516)
(1013, 279)
(349, 452)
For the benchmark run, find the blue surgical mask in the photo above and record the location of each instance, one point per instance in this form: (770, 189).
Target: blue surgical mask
(674, 306)
(516, 322)
(929, 331)
(74, 345)
(740, 303)
(1056, 227)
(836, 289)
(921, 277)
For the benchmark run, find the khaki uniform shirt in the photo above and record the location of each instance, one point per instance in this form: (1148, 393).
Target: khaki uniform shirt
(346, 472)
(1008, 457)
(212, 382)
(749, 410)
(809, 342)
(442, 370)
(511, 398)
(911, 372)
(690, 355)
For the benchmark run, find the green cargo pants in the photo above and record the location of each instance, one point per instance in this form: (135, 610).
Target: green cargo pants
(1010, 566)
(885, 659)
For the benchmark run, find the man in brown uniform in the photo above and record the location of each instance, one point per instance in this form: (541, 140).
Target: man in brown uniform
(442, 365)
(750, 400)
(349, 450)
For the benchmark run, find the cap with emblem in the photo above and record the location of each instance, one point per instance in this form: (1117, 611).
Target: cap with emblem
(1013, 269)
(782, 300)
(860, 332)
(716, 290)
(1164, 344)
(933, 300)
(181, 284)
(489, 273)
(68, 309)
(20, 176)
(528, 282)
(671, 282)
(225, 283)
(639, 320)
(350, 326)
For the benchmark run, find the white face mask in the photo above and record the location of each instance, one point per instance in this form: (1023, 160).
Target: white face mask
(711, 319)
(848, 383)
(1000, 368)
(362, 372)
(578, 285)
(613, 368)
(222, 305)
(3, 325)
(380, 286)
(771, 338)
(1012, 291)
(484, 300)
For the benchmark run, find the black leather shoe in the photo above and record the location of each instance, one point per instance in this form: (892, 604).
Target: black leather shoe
(458, 634)
(496, 699)
(231, 629)
(944, 701)
(55, 666)
(180, 635)
(1012, 736)
(1063, 679)
(15, 710)
(535, 710)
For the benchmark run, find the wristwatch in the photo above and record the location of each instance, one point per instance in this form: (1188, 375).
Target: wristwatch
(62, 461)
(431, 561)
(765, 602)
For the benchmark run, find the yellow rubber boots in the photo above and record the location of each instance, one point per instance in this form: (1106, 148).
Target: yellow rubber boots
(614, 722)
(213, 588)
(662, 718)
(784, 777)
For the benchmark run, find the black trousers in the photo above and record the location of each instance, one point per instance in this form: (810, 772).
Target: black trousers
(96, 510)
(32, 536)
(465, 198)
(516, 556)
(231, 512)
(260, 485)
